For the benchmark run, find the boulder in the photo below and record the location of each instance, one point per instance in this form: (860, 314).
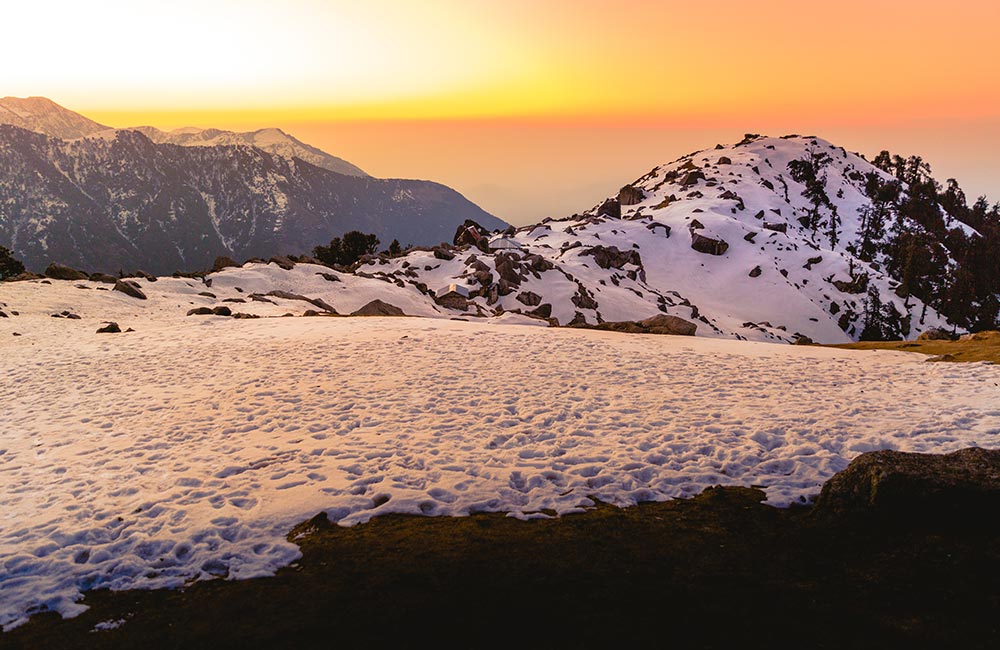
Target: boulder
(935, 334)
(529, 298)
(507, 269)
(287, 295)
(200, 311)
(103, 277)
(542, 311)
(963, 486)
(667, 324)
(692, 177)
(222, 310)
(223, 262)
(145, 276)
(776, 227)
(62, 272)
(610, 208)
(755, 272)
(129, 288)
(378, 308)
(708, 245)
(608, 257)
(443, 253)
(724, 160)
(110, 328)
(282, 262)
(630, 195)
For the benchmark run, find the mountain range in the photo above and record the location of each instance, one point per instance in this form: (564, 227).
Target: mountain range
(81, 193)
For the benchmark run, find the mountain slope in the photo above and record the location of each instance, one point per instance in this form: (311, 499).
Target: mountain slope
(126, 202)
(270, 140)
(42, 115)
(726, 238)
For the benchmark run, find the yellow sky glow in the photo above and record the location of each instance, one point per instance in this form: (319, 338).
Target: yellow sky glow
(382, 59)
(509, 78)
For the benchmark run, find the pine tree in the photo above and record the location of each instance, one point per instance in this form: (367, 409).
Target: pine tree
(9, 265)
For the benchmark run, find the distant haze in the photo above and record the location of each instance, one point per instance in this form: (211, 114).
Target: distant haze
(523, 171)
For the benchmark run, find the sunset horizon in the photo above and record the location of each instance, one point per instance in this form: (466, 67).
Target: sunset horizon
(522, 324)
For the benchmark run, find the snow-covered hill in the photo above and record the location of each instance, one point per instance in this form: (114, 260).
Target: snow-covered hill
(720, 237)
(43, 115)
(271, 140)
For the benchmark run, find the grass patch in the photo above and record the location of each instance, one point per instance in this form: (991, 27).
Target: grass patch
(982, 346)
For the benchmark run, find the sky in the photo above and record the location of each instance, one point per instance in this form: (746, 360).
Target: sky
(530, 108)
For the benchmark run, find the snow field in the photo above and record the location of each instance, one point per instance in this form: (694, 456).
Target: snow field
(187, 449)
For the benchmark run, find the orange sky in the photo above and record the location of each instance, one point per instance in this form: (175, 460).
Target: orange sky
(488, 96)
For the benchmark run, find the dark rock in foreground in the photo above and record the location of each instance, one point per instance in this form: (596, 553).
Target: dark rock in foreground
(964, 485)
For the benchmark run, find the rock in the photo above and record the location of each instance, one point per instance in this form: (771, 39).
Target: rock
(242, 315)
(200, 311)
(724, 160)
(667, 324)
(294, 296)
(583, 299)
(145, 276)
(223, 262)
(103, 277)
(310, 313)
(21, 277)
(542, 311)
(963, 487)
(776, 227)
(207, 294)
(749, 237)
(239, 300)
(695, 225)
(755, 272)
(282, 262)
(708, 245)
(802, 339)
(329, 277)
(692, 177)
(630, 195)
(529, 298)
(811, 261)
(507, 269)
(129, 288)
(378, 308)
(610, 208)
(222, 310)
(608, 257)
(442, 253)
(935, 334)
(110, 328)
(62, 272)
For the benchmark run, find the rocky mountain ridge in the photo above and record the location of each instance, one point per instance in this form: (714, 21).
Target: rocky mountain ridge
(76, 192)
